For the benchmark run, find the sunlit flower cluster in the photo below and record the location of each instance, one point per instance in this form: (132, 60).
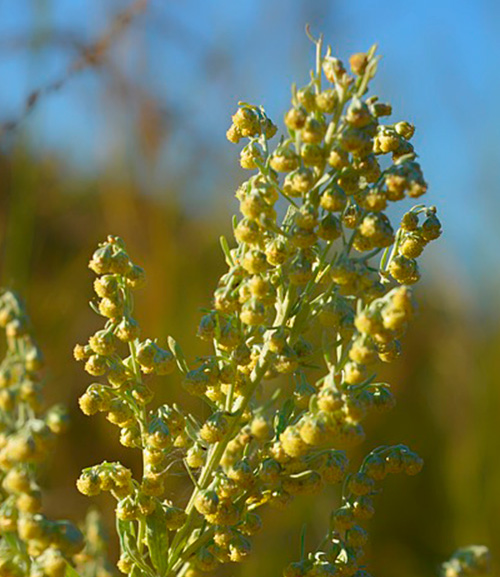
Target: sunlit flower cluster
(316, 294)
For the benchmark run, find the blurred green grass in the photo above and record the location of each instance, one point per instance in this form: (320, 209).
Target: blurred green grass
(447, 381)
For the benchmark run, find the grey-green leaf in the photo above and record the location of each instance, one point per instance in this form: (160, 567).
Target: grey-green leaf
(178, 354)
(157, 540)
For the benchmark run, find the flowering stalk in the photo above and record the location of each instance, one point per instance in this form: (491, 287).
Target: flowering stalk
(318, 279)
(30, 543)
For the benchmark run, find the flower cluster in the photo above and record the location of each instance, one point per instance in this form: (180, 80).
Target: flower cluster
(118, 355)
(343, 548)
(317, 293)
(30, 543)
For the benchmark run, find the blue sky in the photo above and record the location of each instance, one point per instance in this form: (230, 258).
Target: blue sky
(440, 69)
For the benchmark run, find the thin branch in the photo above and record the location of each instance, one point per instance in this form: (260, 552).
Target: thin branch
(89, 56)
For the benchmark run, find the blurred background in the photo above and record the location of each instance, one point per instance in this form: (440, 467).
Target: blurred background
(112, 120)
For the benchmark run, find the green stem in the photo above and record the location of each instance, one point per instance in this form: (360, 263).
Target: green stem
(193, 547)
(215, 457)
(142, 419)
(217, 450)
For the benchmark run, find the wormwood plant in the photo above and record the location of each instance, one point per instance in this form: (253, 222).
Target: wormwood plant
(30, 544)
(317, 292)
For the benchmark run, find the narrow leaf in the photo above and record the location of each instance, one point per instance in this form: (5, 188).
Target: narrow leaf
(178, 354)
(93, 306)
(157, 540)
(225, 249)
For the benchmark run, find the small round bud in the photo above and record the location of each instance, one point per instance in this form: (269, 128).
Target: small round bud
(313, 130)
(333, 68)
(412, 245)
(130, 437)
(360, 484)
(250, 155)
(120, 262)
(215, 428)
(431, 228)
(247, 231)
(101, 260)
(307, 98)
(314, 430)
(247, 121)
(329, 400)
(333, 468)
(358, 114)
(127, 330)
(146, 353)
(356, 536)
(295, 118)
(89, 483)
(300, 272)
(33, 359)
(174, 517)
(127, 510)
(338, 158)
(354, 373)
(269, 471)
(254, 262)
(81, 352)
(153, 485)
(299, 182)
(277, 252)
(106, 286)
(241, 472)
(95, 399)
(164, 362)
(261, 429)
(292, 442)
(405, 129)
(404, 270)
(31, 527)
(358, 63)
(389, 352)
(234, 134)
(412, 463)
(374, 467)
(112, 308)
(253, 313)
(206, 502)
(284, 160)
(362, 508)
(136, 277)
(329, 228)
(327, 100)
(409, 222)
(342, 518)
(103, 342)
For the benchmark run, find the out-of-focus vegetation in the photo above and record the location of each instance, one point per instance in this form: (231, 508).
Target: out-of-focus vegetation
(447, 382)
